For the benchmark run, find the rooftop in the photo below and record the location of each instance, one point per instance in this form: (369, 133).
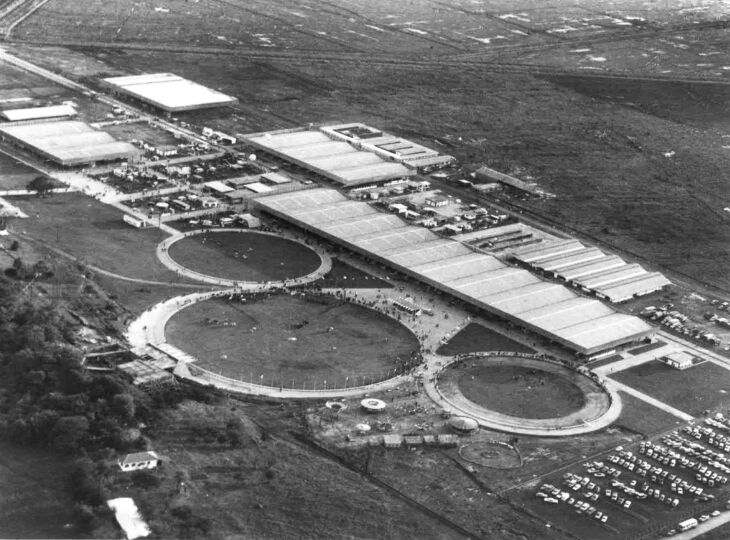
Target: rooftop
(69, 142)
(169, 92)
(585, 325)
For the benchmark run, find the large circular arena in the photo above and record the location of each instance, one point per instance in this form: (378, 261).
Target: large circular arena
(244, 256)
(520, 393)
(292, 340)
(527, 392)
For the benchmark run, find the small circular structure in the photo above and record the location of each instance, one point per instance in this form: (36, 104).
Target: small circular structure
(363, 428)
(463, 424)
(493, 454)
(336, 406)
(372, 405)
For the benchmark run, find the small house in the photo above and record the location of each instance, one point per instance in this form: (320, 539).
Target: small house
(139, 460)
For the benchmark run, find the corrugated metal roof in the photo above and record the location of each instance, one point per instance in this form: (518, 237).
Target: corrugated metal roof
(585, 325)
(69, 142)
(169, 91)
(35, 113)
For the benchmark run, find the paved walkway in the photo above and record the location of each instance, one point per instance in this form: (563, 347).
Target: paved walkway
(616, 386)
(162, 254)
(632, 361)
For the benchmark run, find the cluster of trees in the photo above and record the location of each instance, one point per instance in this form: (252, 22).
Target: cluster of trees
(46, 396)
(24, 271)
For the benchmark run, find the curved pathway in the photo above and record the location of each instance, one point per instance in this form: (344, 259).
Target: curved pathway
(162, 254)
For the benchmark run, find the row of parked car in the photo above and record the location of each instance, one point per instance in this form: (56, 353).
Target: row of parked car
(553, 495)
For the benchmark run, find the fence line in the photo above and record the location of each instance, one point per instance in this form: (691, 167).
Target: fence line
(350, 383)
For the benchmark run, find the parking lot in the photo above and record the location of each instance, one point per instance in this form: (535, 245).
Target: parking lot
(646, 489)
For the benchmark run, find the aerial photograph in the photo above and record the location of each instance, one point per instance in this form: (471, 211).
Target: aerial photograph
(334, 269)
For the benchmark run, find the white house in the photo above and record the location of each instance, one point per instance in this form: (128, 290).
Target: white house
(139, 460)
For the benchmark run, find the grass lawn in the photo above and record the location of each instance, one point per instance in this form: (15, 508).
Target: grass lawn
(16, 175)
(640, 417)
(287, 338)
(517, 390)
(344, 275)
(646, 348)
(95, 232)
(477, 338)
(245, 256)
(694, 390)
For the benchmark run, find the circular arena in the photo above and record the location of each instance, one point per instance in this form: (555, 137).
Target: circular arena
(524, 394)
(298, 341)
(239, 256)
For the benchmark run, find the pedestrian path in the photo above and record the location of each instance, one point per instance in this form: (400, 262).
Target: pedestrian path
(615, 385)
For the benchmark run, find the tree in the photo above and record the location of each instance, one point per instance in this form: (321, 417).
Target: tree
(69, 431)
(42, 185)
(123, 406)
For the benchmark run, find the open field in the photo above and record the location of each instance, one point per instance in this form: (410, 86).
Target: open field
(703, 386)
(244, 256)
(477, 338)
(141, 131)
(344, 275)
(291, 338)
(16, 175)
(95, 233)
(515, 390)
(640, 417)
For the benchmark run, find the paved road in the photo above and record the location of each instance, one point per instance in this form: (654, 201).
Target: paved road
(702, 528)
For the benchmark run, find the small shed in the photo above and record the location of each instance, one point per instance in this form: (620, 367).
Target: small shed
(392, 441)
(139, 460)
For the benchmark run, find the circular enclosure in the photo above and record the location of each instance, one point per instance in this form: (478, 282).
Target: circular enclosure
(525, 394)
(493, 454)
(292, 340)
(244, 256)
(517, 390)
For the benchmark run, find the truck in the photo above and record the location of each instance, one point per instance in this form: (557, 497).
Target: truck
(687, 524)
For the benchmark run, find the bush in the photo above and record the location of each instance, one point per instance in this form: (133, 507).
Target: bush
(14, 246)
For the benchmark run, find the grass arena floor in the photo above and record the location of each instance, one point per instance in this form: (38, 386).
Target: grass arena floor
(291, 340)
(515, 390)
(244, 256)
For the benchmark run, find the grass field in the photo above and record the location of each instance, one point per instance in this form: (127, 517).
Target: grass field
(244, 256)
(640, 417)
(291, 338)
(344, 275)
(515, 390)
(477, 338)
(141, 131)
(694, 390)
(16, 175)
(94, 232)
